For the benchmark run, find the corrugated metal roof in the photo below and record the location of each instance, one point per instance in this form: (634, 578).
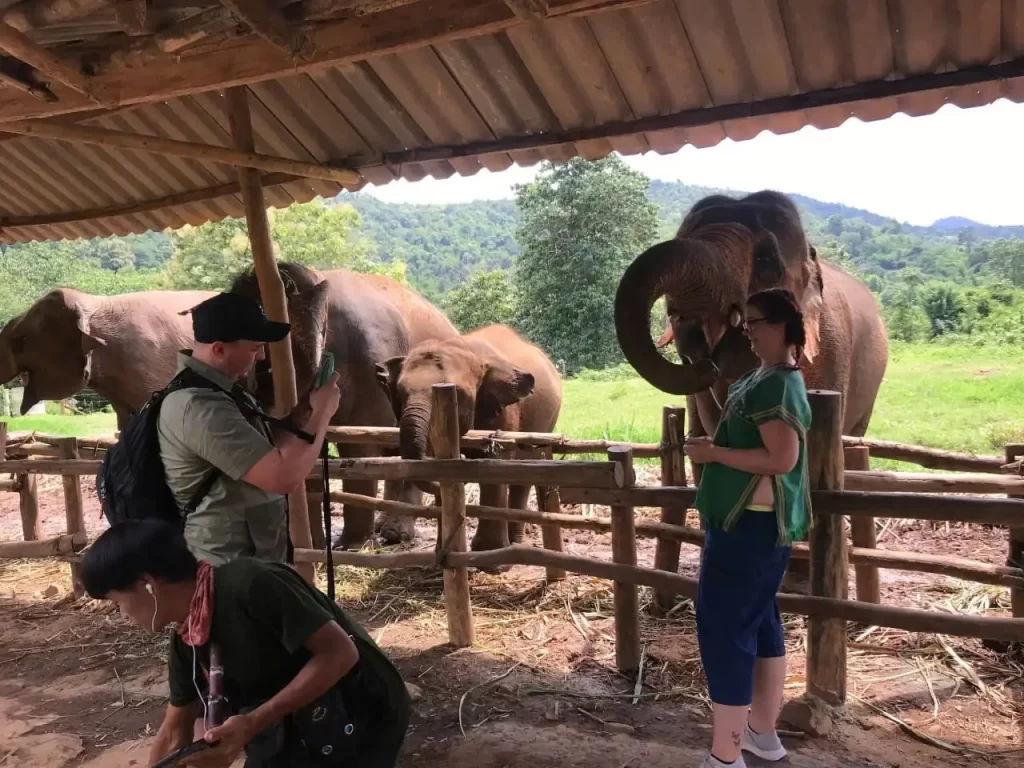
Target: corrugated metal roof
(610, 66)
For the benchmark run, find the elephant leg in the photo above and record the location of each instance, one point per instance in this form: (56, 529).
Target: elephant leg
(518, 497)
(358, 528)
(315, 506)
(397, 529)
(491, 534)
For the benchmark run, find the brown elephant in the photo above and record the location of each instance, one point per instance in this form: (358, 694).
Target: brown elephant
(503, 382)
(366, 318)
(725, 250)
(124, 347)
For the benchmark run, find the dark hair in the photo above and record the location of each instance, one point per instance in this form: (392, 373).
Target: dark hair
(127, 551)
(779, 305)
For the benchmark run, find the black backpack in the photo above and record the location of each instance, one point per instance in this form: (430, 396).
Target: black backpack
(131, 484)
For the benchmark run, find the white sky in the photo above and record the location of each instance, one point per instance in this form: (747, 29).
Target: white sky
(956, 162)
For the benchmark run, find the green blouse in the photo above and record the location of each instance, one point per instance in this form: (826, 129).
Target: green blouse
(763, 395)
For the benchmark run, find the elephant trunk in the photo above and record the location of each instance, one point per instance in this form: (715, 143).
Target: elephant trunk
(412, 434)
(8, 364)
(679, 266)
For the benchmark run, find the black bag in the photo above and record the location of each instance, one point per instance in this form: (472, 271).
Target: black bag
(131, 484)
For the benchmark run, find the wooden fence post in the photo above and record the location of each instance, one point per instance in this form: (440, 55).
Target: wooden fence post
(1015, 553)
(626, 596)
(826, 638)
(549, 500)
(28, 498)
(862, 531)
(444, 436)
(73, 509)
(673, 472)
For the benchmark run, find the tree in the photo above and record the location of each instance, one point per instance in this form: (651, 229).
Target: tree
(581, 224)
(208, 257)
(487, 297)
(944, 305)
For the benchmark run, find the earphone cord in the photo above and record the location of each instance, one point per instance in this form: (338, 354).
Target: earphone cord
(195, 683)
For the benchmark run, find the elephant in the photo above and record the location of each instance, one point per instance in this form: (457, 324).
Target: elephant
(725, 250)
(124, 346)
(503, 382)
(360, 319)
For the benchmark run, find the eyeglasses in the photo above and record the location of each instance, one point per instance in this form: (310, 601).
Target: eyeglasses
(748, 323)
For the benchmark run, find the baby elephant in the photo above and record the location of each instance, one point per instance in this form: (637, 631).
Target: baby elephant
(503, 382)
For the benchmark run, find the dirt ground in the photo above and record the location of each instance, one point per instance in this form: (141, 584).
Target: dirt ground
(79, 686)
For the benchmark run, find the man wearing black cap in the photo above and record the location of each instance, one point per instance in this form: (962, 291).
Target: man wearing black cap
(244, 513)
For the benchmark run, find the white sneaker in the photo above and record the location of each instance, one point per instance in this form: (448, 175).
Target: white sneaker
(710, 761)
(767, 746)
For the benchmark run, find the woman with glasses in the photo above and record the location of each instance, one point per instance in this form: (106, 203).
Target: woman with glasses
(754, 499)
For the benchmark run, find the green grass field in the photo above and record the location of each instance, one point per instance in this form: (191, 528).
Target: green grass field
(959, 399)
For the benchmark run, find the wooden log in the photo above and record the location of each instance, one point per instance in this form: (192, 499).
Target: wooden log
(862, 531)
(201, 195)
(34, 448)
(385, 561)
(65, 544)
(36, 90)
(673, 473)
(1015, 551)
(272, 294)
(18, 45)
(908, 619)
(28, 500)
(314, 503)
(73, 508)
(982, 510)
(923, 482)
(82, 134)
(33, 14)
(826, 638)
(51, 466)
(930, 458)
(591, 474)
(548, 500)
(625, 595)
(444, 436)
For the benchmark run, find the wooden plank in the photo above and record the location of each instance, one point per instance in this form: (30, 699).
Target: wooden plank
(930, 458)
(238, 157)
(909, 619)
(444, 436)
(33, 14)
(826, 638)
(548, 500)
(65, 544)
(565, 474)
(862, 531)
(626, 596)
(73, 508)
(28, 501)
(529, 10)
(673, 473)
(15, 43)
(927, 482)
(275, 304)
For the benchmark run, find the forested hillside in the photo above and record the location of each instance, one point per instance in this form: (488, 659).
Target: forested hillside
(954, 278)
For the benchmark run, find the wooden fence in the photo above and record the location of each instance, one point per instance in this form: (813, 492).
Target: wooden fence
(842, 483)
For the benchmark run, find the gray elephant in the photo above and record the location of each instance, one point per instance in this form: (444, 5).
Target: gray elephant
(725, 250)
(503, 382)
(366, 318)
(124, 347)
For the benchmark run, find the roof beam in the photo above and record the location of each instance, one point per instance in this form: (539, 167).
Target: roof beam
(18, 45)
(132, 16)
(27, 85)
(529, 10)
(158, 145)
(270, 24)
(167, 201)
(33, 14)
(251, 59)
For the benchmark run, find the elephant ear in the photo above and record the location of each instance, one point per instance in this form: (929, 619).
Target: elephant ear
(387, 378)
(504, 384)
(768, 268)
(811, 304)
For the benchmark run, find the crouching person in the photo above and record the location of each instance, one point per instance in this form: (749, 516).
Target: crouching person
(305, 685)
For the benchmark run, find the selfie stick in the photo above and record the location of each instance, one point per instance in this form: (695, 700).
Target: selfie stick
(216, 709)
(323, 375)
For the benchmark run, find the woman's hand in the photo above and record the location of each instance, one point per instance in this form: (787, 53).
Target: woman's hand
(232, 736)
(701, 450)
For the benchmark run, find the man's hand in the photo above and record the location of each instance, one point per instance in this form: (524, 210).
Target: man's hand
(326, 399)
(232, 737)
(701, 450)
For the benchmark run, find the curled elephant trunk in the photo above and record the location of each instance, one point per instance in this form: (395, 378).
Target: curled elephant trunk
(412, 435)
(658, 269)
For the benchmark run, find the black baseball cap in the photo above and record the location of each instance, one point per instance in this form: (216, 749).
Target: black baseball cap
(229, 317)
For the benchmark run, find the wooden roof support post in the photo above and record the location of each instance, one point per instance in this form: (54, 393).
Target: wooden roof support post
(274, 301)
(18, 45)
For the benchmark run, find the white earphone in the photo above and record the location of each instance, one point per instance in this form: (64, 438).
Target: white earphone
(149, 588)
